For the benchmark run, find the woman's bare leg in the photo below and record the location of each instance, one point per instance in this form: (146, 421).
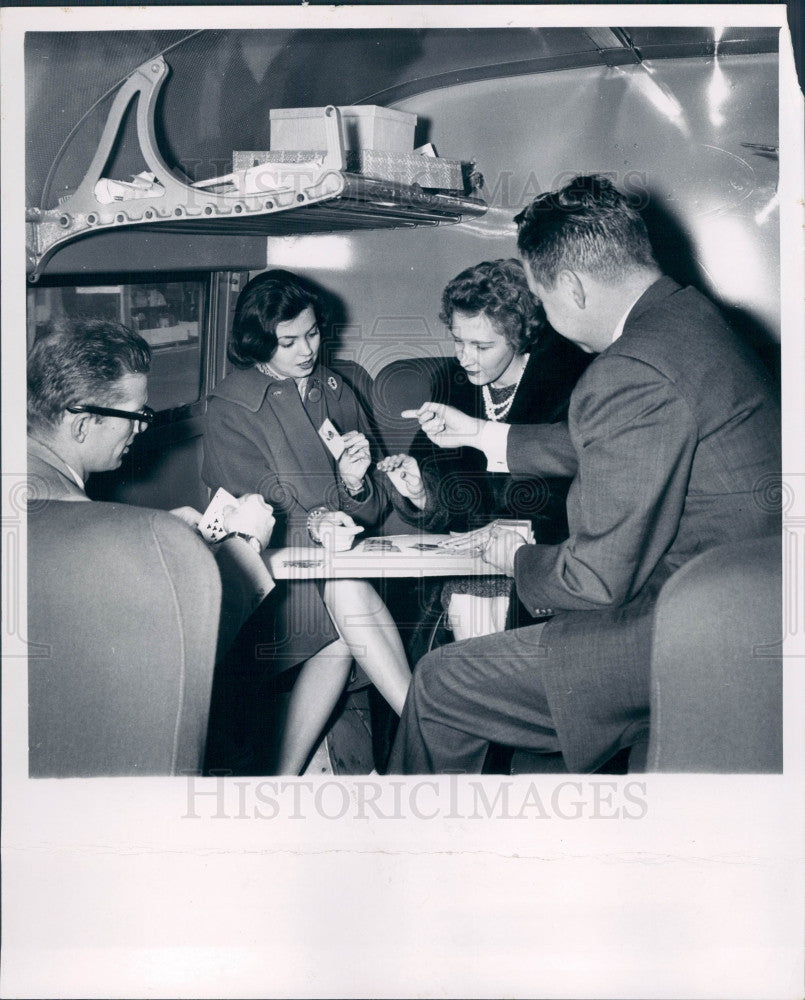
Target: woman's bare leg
(366, 625)
(313, 698)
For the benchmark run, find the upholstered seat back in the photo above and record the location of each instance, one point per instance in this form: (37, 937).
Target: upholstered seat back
(127, 600)
(716, 670)
(404, 384)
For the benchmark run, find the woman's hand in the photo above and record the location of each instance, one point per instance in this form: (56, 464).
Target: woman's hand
(446, 426)
(321, 523)
(354, 461)
(403, 471)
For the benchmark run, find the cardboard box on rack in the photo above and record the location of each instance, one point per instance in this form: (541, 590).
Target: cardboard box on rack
(364, 126)
(403, 168)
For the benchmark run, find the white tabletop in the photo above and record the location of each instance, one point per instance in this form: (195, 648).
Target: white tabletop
(368, 559)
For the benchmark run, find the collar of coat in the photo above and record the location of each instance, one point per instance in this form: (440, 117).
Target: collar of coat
(661, 289)
(39, 450)
(248, 387)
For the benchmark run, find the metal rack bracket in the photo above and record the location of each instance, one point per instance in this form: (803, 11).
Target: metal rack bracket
(276, 188)
(273, 199)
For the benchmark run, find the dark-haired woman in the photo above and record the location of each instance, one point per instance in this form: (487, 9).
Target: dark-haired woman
(263, 436)
(510, 366)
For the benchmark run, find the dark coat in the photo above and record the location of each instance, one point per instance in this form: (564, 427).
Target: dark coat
(676, 431)
(261, 438)
(461, 493)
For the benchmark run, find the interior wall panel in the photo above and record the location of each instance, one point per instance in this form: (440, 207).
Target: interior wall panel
(671, 133)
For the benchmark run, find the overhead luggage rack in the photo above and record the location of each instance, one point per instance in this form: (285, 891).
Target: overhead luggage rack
(270, 200)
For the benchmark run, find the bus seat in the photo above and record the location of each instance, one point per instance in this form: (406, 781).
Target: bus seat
(716, 685)
(404, 384)
(716, 671)
(127, 601)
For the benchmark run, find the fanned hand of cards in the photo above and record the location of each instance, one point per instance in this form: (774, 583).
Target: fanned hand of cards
(211, 524)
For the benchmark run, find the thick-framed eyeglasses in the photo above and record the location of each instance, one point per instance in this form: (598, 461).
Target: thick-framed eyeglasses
(144, 416)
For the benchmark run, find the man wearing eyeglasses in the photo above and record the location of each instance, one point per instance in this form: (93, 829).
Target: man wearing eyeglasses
(87, 392)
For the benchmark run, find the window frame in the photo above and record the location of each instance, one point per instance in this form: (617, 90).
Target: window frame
(219, 290)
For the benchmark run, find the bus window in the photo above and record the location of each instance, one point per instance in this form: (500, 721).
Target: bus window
(169, 314)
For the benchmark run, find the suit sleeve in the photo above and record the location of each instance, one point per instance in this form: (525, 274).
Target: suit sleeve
(635, 438)
(541, 450)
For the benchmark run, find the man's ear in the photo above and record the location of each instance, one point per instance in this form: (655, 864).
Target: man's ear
(572, 286)
(77, 424)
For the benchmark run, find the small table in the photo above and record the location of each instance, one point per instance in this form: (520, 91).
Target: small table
(414, 555)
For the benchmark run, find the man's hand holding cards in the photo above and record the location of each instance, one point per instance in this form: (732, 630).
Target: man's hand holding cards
(211, 526)
(250, 515)
(496, 543)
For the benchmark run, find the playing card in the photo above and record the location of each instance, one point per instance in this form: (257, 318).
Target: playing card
(211, 524)
(331, 438)
(476, 540)
(379, 545)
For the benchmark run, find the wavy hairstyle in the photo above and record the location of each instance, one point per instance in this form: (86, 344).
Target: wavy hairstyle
(499, 290)
(589, 226)
(269, 299)
(81, 361)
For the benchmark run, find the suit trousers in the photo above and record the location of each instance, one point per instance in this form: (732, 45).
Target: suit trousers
(466, 695)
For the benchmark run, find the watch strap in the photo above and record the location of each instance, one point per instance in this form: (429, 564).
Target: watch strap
(251, 539)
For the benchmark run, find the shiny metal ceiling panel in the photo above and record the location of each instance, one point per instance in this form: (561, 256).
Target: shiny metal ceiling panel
(223, 83)
(673, 39)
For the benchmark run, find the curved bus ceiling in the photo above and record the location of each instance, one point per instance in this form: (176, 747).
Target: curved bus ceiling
(223, 83)
(691, 113)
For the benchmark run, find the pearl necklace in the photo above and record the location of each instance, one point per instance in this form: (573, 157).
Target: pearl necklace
(499, 411)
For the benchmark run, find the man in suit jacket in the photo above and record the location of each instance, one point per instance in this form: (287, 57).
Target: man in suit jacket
(87, 389)
(673, 434)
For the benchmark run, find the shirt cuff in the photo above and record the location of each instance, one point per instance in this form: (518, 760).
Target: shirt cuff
(493, 440)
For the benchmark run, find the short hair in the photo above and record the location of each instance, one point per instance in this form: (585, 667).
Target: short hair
(499, 290)
(270, 298)
(589, 226)
(81, 361)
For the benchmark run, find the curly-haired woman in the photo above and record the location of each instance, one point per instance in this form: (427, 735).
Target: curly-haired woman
(510, 366)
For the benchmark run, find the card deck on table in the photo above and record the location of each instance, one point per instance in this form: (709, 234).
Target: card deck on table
(211, 524)
(331, 437)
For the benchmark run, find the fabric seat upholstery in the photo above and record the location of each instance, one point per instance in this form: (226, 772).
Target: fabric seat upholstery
(716, 669)
(404, 384)
(716, 686)
(128, 601)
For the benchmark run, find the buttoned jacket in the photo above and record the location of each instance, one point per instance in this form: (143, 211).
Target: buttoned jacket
(260, 437)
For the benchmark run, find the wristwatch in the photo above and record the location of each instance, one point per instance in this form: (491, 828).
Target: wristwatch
(251, 539)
